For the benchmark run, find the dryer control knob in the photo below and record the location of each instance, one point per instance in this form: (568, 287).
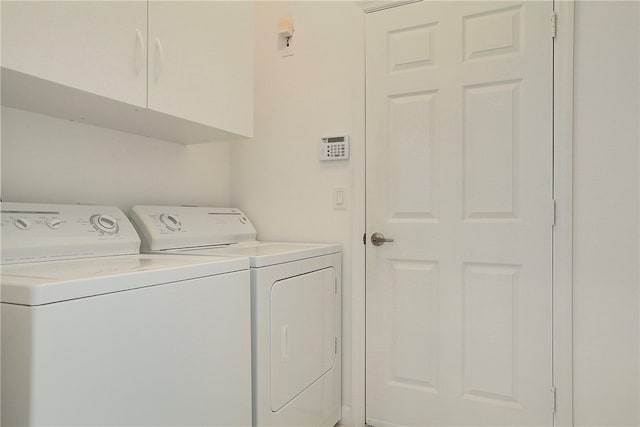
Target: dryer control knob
(54, 223)
(172, 222)
(105, 223)
(22, 223)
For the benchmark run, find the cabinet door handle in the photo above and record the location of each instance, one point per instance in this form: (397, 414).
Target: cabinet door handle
(159, 59)
(139, 52)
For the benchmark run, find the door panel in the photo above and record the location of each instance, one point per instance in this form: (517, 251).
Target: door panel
(459, 174)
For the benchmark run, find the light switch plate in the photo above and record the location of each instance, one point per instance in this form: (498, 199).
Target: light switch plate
(339, 198)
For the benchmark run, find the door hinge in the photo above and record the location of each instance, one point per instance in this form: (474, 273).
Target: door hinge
(364, 239)
(554, 213)
(553, 399)
(554, 25)
(335, 345)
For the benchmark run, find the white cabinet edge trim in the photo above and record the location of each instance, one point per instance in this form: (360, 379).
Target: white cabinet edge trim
(378, 5)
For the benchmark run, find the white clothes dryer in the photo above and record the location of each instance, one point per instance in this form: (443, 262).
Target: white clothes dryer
(95, 334)
(296, 306)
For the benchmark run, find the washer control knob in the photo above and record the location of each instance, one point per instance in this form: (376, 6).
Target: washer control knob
(22, 223)
(105, 223)
(172, 222)
(54, 223)
(243, 219)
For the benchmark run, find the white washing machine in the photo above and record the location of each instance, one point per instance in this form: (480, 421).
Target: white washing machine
(95, 334)
(296, 304)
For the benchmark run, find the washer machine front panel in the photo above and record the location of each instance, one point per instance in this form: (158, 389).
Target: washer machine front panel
(159, 355)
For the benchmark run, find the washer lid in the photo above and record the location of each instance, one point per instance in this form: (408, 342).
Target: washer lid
(262, 254)
(54, 281)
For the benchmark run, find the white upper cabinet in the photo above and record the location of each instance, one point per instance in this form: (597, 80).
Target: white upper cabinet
(175, 70)
(201, 62)
(94, 46)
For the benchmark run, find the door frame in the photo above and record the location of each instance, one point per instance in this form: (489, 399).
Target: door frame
(562, 232)
(563, 195)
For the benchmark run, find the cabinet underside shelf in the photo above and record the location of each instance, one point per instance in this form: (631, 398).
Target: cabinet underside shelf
(26, 92)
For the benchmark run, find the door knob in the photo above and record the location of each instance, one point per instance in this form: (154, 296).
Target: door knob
(378, 239)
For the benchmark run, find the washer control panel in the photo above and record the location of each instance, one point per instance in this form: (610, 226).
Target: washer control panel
(41, 232)
(178, 227)
(105, 223)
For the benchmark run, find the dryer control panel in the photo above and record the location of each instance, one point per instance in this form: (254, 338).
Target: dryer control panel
(180, 227)
(44, 232)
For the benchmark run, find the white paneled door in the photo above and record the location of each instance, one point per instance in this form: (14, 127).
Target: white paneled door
(459, 175)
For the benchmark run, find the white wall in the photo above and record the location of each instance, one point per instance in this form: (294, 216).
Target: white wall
(606, 213)
(276, 177)
(45, 159)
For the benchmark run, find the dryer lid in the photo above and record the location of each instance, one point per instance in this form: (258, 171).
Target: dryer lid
(263, 254)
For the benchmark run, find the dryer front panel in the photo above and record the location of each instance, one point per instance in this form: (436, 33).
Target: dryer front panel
(303, 333)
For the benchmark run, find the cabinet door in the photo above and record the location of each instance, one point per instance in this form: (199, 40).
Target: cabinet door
(201, 62)
(94, 46)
